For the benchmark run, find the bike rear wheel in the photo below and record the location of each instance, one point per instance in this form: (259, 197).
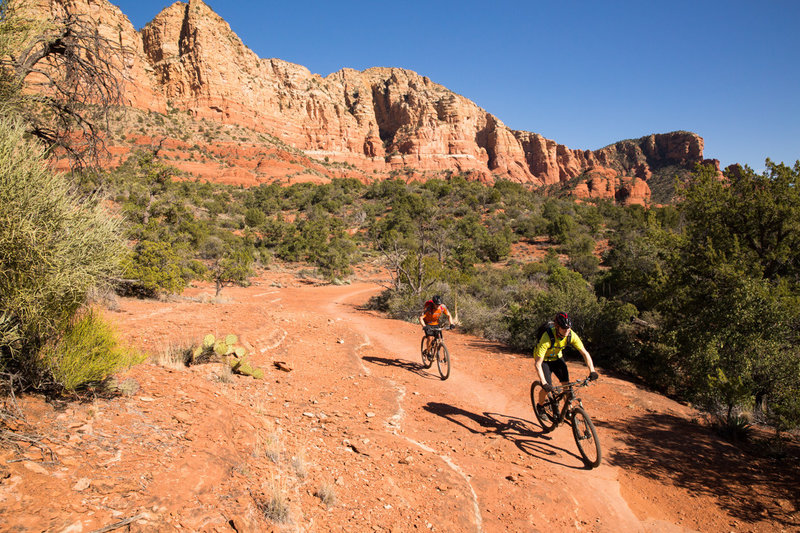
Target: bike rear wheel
(426, 362)
(443, 361)
(548, 417)
(586, 438)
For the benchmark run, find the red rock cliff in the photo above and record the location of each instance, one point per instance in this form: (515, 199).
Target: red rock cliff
(377, 121)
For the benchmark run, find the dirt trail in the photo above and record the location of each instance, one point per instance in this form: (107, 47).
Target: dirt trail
(360, 419)
(480, 413)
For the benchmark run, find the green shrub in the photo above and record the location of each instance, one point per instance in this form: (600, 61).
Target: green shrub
(735, 428)
(406, 305)
(87, 352)
(156, 266)
(54, 248)
(587, 265)
(335, 261)
(566, 291)
(560, 228)
(254, 217)
(478, 318)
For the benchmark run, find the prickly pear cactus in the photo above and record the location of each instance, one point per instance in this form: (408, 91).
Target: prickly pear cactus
(225, 350)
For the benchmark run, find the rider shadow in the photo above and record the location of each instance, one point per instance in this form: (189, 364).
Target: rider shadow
(522, 433)
(416, 368)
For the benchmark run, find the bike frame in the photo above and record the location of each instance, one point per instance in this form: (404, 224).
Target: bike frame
(567, 393)
(437, 350)
(437, 337)
(574, 413)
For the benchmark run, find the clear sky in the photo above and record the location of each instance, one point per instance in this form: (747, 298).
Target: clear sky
(585, 73)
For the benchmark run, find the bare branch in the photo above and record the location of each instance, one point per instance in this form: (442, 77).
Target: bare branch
(68, 78)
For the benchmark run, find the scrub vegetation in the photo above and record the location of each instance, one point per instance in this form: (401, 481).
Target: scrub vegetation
(699, 298)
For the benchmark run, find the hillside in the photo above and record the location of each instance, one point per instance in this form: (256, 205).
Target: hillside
(359, 437)
(216, 110)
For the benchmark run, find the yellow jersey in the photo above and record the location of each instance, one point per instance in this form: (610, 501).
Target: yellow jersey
(551, 353)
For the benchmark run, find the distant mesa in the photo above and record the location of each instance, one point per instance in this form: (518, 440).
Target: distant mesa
(232, 117)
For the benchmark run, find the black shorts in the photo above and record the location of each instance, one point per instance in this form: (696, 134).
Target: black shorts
(557, 367)
(432, 331)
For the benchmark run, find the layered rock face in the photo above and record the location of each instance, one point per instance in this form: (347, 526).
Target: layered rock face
(376, 121)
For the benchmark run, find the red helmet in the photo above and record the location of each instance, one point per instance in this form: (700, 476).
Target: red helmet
(563, 320)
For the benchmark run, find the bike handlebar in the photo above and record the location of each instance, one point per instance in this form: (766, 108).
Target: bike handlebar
(440, 328)
(579, 383)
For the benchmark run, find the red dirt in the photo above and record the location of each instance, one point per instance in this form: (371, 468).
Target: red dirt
(358, 418)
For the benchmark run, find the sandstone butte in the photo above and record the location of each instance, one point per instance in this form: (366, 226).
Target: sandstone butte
(369, 125)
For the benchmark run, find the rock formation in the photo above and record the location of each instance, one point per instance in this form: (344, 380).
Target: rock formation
(372, 124)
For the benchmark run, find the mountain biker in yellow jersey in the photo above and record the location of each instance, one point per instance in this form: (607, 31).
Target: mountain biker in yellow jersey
(434, 308)
(547, 355)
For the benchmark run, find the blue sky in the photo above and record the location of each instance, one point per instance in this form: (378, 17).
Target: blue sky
(583, 73)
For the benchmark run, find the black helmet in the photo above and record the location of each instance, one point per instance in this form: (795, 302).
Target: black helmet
(437, 300)
(563, 320)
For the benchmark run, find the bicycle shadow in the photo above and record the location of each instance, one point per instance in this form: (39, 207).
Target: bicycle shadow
(410, 366)
(522, 433)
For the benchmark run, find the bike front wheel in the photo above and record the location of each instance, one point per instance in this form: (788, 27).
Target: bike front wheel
(586, 438)
(427, 362)
(443, 361)
(547, 413)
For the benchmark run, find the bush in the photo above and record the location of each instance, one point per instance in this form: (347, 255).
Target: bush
(478, 318)
(560, 228)
(406, 305)
(566, 291)
(156, 266)
(735, 427)
(335, 261)
(88, 352)
(54, 248)
(254, 217)
(584, 264)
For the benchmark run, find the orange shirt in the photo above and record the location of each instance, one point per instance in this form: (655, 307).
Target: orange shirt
(432, 314)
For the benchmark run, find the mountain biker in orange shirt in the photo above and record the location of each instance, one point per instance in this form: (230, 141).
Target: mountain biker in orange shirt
(434, 308)
(547, 355)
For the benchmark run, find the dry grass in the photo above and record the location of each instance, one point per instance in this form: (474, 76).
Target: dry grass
(261, 408)
(327, 494)
(174, 355)
(270, 447)
(274, 503)
(225, 373)
(299, 464)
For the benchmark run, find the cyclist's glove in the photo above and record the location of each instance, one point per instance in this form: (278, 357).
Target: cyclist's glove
(452, 326)
(593, 376)
(547, 387)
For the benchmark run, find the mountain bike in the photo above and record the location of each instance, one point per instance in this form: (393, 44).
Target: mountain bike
(563, 405)
(438, 351)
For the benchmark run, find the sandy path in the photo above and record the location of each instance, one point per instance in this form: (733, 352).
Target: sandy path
(503, 404)
(403, 450)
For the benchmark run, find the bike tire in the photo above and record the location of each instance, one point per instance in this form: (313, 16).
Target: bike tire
(426, 363)
(550, 421)
(586, 438)
(443, 361)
